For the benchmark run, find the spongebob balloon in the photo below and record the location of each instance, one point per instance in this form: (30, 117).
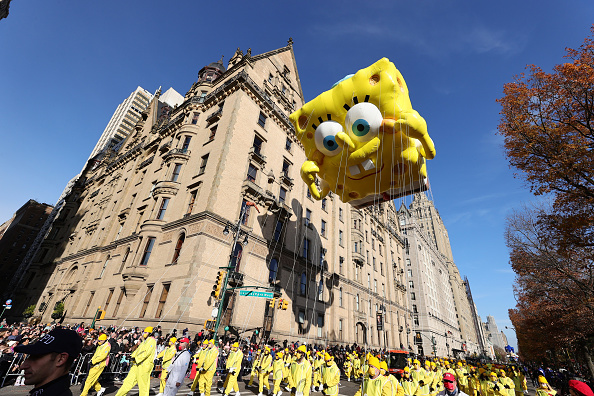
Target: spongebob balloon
(363, 139)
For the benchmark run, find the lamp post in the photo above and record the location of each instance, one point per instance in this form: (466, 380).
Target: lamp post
(238, 233)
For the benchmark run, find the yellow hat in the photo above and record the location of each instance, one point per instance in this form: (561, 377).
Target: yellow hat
(172, 340)
(279, 354)
(460, 364)
(302, 349)
(416, 361)
(481, 370)
(103, 337)
(267, 348)
(542, 380)
(433, 364)
(492, 374)
(502, 371)
(407, 369)
(384, 365)
(211, 341)
(328, 357)
(205, 342)
(235, 345)
(148, 329)
(373, 361)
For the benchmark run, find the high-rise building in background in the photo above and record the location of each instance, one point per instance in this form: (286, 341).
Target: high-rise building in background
(493, 334)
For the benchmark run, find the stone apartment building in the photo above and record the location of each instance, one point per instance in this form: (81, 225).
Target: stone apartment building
(144, 231)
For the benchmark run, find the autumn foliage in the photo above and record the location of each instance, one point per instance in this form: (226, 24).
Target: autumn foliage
(547, 121)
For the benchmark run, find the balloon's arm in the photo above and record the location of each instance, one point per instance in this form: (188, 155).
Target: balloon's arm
(412, 125)
(309, 170)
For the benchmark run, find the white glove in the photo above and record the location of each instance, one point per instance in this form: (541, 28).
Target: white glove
(232, 370)
(298, 393)
(526, 392)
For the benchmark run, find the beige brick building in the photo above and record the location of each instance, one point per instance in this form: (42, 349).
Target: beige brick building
(142, 232)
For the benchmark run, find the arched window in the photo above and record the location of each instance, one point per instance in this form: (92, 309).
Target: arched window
(236, 260)
(178, 248)
(273, 270)
(303, 284)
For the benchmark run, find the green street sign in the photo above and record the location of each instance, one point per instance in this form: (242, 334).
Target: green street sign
(253, 293)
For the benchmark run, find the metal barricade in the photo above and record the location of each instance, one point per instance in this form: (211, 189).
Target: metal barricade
(13, 367)
(118, 365)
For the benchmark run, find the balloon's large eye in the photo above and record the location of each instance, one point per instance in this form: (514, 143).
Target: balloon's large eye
(326, 138)
(363, 121)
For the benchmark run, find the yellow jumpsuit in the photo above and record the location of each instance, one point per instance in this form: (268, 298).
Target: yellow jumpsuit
(208, 370)
(510, 390)
(317, 371)
(395, 384)
(265, 369)
(357, 368)
(418, 376)
(167, 354)
(200, 355)
(474, 385)
(330, 379)
(141, 369)
(462, 379)
(519, 383)
(348, 368)
(545, 392)
(98, 362)
(410, 387)
(301, 376)
(233, 362)
(277, 375)
(380, 386)
(287, 359)
(255, 368)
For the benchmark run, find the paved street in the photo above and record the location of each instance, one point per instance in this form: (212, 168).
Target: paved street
(346, 388)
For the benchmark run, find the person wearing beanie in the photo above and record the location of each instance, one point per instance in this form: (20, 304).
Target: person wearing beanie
(209, 368)
(357, 371)
(410, 387)
(317, 370)
(199, 357)
(347, 367)
(386, 373)
(508, 384)
(520, 386)
(287, 360)
(544, 389)
(462, 377)
(167, 354)
(579, 388)
(330, 376)
(142, 366)
(98, 363)
(265, 370)
(277, 373)
(301, 373)
(233, 366)
(375, 384)
(437, 384)
(255, 368)
(450, 386)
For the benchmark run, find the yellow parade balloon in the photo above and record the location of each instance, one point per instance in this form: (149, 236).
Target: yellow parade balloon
(363, 139)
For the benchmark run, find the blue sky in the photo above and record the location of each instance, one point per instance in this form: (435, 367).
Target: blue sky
(67, 65)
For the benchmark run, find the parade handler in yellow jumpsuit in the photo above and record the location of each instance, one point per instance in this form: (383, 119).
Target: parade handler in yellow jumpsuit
(233, 367)
(386, 373)
(317, 371)
(208, 369)
(277, 373)
(199, 356)
(301, 373)
(265, 370)
(142, 366)
(376, 384)
(167, 354)
(408, 384)
(98, 363)
(347, 366)
(330, 376)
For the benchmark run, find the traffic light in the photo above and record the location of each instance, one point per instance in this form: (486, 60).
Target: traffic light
(216, 289)
(284, 305)
(101, 315)
(210, 324)
(272, 302)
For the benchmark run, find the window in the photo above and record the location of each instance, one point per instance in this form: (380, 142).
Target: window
(323, 229)
(186, 144)
(119, 302)
(320, 324)
(307, 217)
(162, 299)
(145, 303)
(262, 120)
(381, 268)
(108, 299)
(89, 303)
(303, 284)
(340, 264)
(162, 209)
(278, 229)
(340, 297)
(413, 296)
(301, 320)
(384, 290)
(355, 223)
(124, 258)
(306, 243)
(416, 320)
(374, 268)
(372, 244)
(203, 164)
(213, 133)
(340, 237)
(369, 281)
(340, 214)
(252, 173)
(322, 256)
(273, 270)
(176, 171)
(236, 259)
(356, 247)
(407, 262)
(324, 205)
(270, 78)
(414, 309)
(410, 273)
(147, 251)
(286, 166)
(321, 289)
(411, 284)
(257, 145)
(282, 195)
(308, 193)
(288, 144)
(375, 285)
(357, 302)
(178, 248)
(340, 329)
(245, 209)
(104, 266)
(191, 203)
(195, 118)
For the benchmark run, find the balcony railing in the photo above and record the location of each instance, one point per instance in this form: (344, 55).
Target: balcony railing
(257, 155)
